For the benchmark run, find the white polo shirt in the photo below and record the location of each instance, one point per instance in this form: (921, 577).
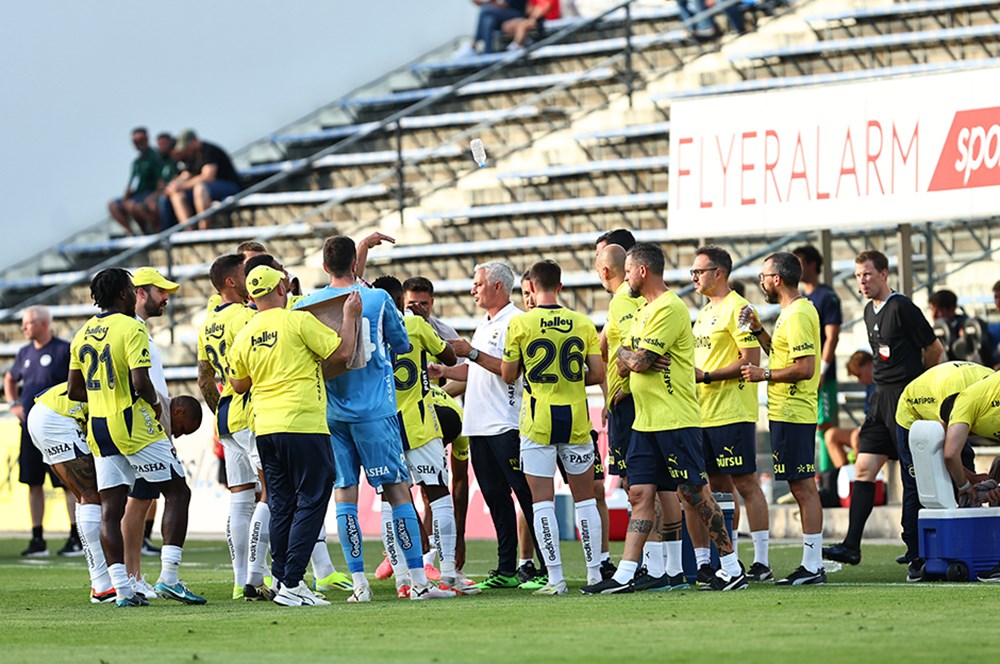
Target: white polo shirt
(491, 405)
(157, 377)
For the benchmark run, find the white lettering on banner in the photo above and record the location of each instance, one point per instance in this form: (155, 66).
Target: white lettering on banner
(889, 151)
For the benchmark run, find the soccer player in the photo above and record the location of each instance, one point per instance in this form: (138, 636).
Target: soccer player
(109, 369)
(666, 449)
(728, 405)
(559, 353)
(905, 346)
(283, 355)
(361, 413)
(792, 379)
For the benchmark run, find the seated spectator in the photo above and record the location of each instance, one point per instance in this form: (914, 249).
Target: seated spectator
(537, 13)
(706, 29)
(141, 183)
(842, 443)
(944, 307)
(148, 213)
(207, 175)
(492, 15)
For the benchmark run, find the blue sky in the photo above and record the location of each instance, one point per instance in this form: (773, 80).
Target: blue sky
(78, 76)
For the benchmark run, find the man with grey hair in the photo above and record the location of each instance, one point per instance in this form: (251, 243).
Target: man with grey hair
(493, 432)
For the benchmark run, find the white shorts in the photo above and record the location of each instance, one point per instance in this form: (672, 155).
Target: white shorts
(57, 437)
(242, 459)
(428, 464)
(155, 463)
(540, 460)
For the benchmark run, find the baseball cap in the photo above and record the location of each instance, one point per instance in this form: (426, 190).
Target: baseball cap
(149, 276)
(184, 138)
(262, 280)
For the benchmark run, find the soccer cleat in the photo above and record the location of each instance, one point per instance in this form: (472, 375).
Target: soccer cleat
(676, 582)
(429, 591)
(384, 569)
(536, 583)
(705, 574)
(902, 560)
(237, 592)
(643, 580)
(842, 554)
(760, 572)
(723, 582)
(497, 580)
(300, 595)
(261, 593)
(148, 549)
(178, 591)
(607, 587)
(803, 577)
(552, 589)
(403, 592)
(527, 572)
(142, 587)
(334, 581)
(134, 600)
(72, 548)
(433, 573)
(37, 548)
(915, 570)
(608, 569)
(361, 594)
(103, 598)
(993, 576)
(465, 586)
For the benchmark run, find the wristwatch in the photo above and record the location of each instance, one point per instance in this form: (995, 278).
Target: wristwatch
(757, 333)
(706, 378)
(473, 354)
(767, 375)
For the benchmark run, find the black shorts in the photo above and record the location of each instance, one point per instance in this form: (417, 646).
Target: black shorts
(451, 424)
(793, 448)
(666, 458)
(620, 419)
(143, 490)
(31, 469)
(730, 449)
(878, 432)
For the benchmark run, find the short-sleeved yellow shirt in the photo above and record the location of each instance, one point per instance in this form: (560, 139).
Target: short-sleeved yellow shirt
(621, 314)
(921, 399)
(214, 340)
(418, 423)
(717, 344)
(979, 406)
(56, 398)
(796, 334)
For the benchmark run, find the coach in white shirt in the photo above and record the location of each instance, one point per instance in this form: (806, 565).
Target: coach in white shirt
(492, 410)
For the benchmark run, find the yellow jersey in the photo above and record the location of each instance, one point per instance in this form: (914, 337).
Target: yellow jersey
(796, 334)
(214, 340)
(418, 423)
(621, 313)
(979, 406)
(106, 350)
(281, 352)
(441, 399)
(921, 399)
(56, 398)
(717, 344)
(553, 343)
(665, 400)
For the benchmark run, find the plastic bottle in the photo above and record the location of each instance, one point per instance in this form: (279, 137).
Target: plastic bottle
(478, 151)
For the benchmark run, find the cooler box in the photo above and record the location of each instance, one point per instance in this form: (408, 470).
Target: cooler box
(725, 501)
(845, 486)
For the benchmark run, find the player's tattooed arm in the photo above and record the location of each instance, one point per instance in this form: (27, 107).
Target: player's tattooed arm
(206, 383)
(640, 526)
(642, 360)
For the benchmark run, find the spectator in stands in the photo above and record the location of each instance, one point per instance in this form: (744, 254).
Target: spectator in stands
(537, 12)
(141, 183)
(842, 443)
(994, 328)
(492, 15)
(207, 175)
(620, 236)
(944, 307)
(706, 29)
(147, 213)
(418, 297)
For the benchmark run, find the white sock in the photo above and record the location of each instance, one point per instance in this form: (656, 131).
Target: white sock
(547, 534)
(523, 561)
(445, 533)
(652, 558)
(605, 555)
(675, 557)
(702, 556)
(731, 564)
(588, 522)
(432, 553)
(170, 563)
(760, 545)
(88, 526)
(734, 537)
(321, 563)
(399, 569)
(359, 579)
(119, 579)
(626, 570)
(241, 508)
(260, 541)
(812, 552)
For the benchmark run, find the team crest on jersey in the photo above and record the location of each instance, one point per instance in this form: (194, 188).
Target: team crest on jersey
(265, 339)
(97, 332)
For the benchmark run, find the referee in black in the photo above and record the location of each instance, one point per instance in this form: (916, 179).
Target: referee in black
(904, 345)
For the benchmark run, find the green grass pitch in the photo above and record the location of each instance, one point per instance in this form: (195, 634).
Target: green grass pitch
(865, 613)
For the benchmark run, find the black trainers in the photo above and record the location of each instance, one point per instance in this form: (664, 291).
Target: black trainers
(842, 554)
(705, 574)
(803, 577)
(643, 580)
(607, 587)
(72, 548)
(148, 549)
(527, 572)
(915, 570)
(902, 560)
(37, 548)
(677, 582)
(760, 572)
(993, 576)
(722, 581)
(608, 569)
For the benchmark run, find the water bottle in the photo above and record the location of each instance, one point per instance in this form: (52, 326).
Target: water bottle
(831, 566)
(478, 151)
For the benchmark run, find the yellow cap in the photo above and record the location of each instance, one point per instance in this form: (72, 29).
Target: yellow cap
(149, 276)
(262, 280)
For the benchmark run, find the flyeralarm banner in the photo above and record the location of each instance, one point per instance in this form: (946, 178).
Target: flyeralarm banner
(923, 148)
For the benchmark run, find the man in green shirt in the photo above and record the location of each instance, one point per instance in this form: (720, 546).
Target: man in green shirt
(141, 183)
